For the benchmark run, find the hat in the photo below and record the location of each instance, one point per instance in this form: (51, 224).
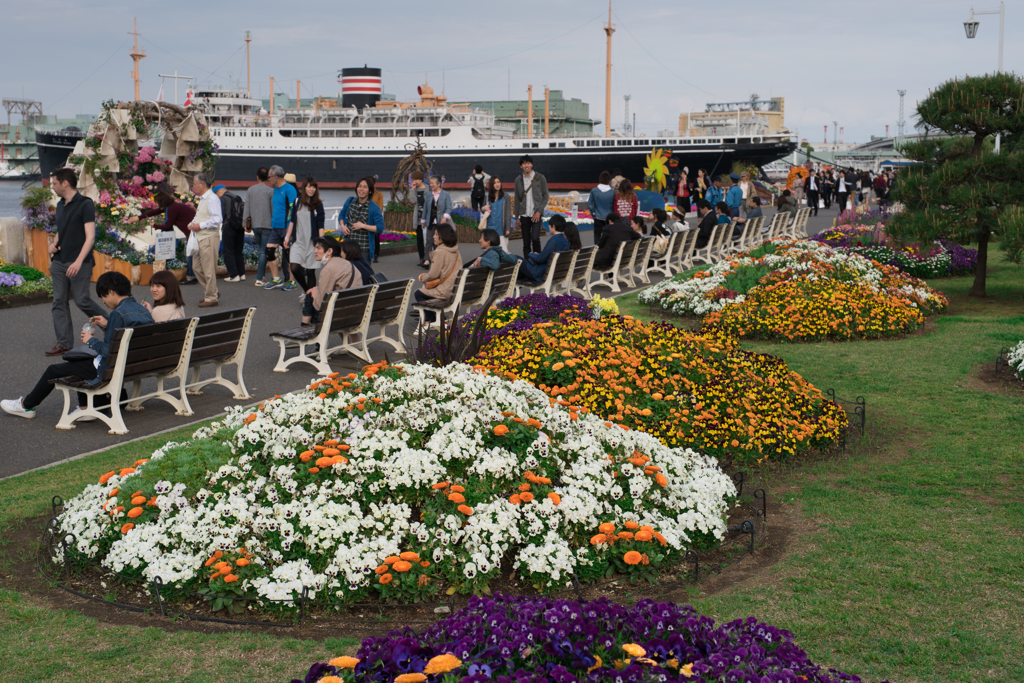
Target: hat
(289, 178)
(733, 176)
(218, 188)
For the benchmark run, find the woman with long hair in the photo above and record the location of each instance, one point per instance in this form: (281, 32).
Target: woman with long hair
(168, 303)
(307, 222)
(498, 210)
(360, 218)
(626, 203)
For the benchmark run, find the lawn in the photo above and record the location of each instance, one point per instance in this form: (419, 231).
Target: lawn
(910, 566)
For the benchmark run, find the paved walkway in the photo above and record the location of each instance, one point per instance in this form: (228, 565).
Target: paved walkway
(25, 333)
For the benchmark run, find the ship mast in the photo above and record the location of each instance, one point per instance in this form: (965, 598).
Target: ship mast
(248, 74)
(608, 76)
(136, 55)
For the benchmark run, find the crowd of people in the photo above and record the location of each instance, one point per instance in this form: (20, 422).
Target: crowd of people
(288, 223)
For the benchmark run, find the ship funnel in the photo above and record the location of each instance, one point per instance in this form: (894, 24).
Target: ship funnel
(360, 87)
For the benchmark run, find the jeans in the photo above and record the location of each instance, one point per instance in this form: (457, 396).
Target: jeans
(309, 310)
(263, 235)
(598, 228)
(65, 288)
(531, 234)
(83, 369)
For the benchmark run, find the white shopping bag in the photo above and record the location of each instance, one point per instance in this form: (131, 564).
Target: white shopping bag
(192, 248)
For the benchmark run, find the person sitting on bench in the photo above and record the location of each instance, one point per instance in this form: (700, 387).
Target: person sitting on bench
(336, 273)
(116, 292)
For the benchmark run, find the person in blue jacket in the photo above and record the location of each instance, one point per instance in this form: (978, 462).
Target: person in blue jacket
(360, 218)
(734, 197)
(566, 236)
(713, 195)
(494, 255)
(601, 203)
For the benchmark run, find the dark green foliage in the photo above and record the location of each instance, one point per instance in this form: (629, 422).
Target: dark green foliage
(963, 190)
(745, 278)
(30, 274)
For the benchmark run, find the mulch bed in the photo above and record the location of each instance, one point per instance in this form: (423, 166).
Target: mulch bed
(18, 300)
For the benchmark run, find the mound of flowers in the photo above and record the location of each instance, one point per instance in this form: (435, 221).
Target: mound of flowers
(523, 312)
(799, 290)
(19, 281)
(942, 258)
(1016, 359)
(397, 484)
(537, 640)
(684, 388)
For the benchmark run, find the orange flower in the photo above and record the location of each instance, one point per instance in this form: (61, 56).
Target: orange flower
(500, 430)
(524, 486)
(632, 526)
(606, 528)
(230, 578)
(138, 500)
(534, 423)
(626, 535)
(410, 678)
(644, 536)
(515, 499)
(126, 471)
(566, 354)
(331, 452)
(402, 566)
(135, 512)
(456, 498)
(106, 477)
(660, 478)
(242, 562)
(600, 538)
(440, 485)
(127, 527)
(660, 538)
(526, 496)
(465, 509)
(555, 498)
(385, 579)
(442, 664)
(382, 569)
(410, 556)
(306, 456)
(633, 557)
(314, 470)
(631, 649)
(344, 662)
(458, 489)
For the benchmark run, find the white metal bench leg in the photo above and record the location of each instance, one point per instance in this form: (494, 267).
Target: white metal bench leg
(65, 421)
(136, 406)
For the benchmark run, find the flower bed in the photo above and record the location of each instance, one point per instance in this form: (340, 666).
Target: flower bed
(1016, 359)
(943, 258)
(21, 285)
(511, 639)
(395, 485)
(522, 313)
(801, 290)
(685, 389)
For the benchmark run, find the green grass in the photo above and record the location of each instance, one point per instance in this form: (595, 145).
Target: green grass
(916, 570)
(912, 567)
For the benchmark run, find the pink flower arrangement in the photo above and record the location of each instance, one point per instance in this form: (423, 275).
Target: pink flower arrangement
(104, 197)
(138, 180)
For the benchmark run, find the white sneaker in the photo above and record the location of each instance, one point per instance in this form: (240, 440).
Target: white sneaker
(241, 278)
(231, 279)
(78, 411)
(260, 283)
(14, 407)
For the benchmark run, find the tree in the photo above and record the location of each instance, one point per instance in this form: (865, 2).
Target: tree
(962, 190)
(806, 146)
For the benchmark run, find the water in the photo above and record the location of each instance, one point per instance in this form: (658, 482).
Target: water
(10, 198)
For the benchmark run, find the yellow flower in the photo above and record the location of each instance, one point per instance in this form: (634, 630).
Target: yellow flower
(596, 666)
(410, 678)
(330, 679)
(442, 664)
(634, 650)
(687, 670)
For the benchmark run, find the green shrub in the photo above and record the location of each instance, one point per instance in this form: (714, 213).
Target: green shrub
(30, 274)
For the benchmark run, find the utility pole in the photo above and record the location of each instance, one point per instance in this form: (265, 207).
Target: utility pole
(608, 77)
(625, 124)
(835, 132)
(547, 110)
(136, 56)
(176, 78)
(248, 74)
(900, 123)
(529, 111)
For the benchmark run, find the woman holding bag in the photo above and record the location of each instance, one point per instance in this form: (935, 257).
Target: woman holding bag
(307, 219)
(445, 262)
(360, 218)
(498, 212)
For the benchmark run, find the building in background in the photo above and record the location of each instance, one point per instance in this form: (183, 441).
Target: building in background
(565, 117)
(736, 118)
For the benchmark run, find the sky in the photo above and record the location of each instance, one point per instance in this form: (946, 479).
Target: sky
(831, 60)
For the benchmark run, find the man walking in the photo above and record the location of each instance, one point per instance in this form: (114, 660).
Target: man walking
(232, 233)
(419, 193)
(529, 202)
(259, 201)
(206, 227)
(71, 257)
(478, 187)
(284, 197)
(813, 188)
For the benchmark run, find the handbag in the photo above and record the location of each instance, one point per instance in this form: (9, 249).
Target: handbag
(83, 352)
(436, 282)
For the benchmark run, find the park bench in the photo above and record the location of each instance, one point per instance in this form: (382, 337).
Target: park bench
(503, 282)
(619, 270)
(390, 306)
(221, 338)
(638, 268)
(343, 312)
(582, 271)
(560, 268)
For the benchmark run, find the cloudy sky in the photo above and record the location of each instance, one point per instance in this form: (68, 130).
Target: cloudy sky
(831, 60)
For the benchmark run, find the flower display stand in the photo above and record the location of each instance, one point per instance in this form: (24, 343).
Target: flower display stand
(37, 252)
(398, 221)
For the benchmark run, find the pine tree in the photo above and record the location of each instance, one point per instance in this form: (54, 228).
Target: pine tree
(962, 190)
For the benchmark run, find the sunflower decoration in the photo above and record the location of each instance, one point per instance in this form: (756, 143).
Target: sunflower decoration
(656, 171)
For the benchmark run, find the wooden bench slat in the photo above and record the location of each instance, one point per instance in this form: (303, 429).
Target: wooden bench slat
(151, 365)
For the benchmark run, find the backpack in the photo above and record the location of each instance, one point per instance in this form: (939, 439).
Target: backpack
(478, 186)
(234, 218)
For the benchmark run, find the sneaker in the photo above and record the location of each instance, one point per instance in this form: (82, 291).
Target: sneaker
(14, 407)
(231, 279)
(272, 284)
(261, 283)
(288, 286)
(78, 411)
(241, 278)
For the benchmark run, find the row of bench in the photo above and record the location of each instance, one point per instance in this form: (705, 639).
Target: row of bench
(167, 351)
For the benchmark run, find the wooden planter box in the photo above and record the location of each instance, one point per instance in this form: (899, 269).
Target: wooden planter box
(17, 300)
(467, 234)
(396, 221)
(99, 268)
(37, 254)
(142, 274)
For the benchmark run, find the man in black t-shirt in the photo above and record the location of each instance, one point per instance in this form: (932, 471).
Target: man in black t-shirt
(71, 258)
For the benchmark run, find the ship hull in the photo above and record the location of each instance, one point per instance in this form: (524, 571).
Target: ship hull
(54, 149)
(564, 168)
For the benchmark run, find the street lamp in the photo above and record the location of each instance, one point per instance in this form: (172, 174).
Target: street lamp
(971, 27)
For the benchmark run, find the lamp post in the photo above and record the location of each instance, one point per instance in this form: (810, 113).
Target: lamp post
(971, 28)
